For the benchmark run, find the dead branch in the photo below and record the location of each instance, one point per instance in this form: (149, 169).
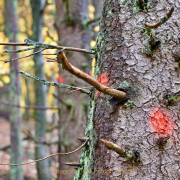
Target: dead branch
(80, 74)
(53, 83)
(22, 56)
(71, 163)
(122, 152)
(162, 21)
(60, 154)
(28, 42)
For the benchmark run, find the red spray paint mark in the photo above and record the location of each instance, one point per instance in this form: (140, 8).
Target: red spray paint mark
(60, 79)
(103, 79)
(161, 123)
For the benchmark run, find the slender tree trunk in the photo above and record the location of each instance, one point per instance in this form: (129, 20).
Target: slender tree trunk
(149, 80)
(71, 23)
(40, 91)
(11, 30)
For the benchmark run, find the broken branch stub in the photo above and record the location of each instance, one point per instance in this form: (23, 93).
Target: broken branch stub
(162, 21)
(80, 74)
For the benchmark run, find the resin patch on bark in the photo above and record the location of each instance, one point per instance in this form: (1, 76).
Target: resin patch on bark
(161, 123)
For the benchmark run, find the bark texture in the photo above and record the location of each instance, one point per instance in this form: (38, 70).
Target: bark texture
(122, 58)
(11, 31)
(40, 91)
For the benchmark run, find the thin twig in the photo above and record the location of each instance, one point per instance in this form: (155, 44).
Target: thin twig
(52, 60)
(80, 74)
(24, 56)
(27, 107)
(163, 20)
(80, 89)
(94, 20)
(52, 83)
(61, 154)
(29, 42)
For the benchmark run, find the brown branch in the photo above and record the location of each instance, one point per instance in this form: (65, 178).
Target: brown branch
(38, 44)
(27, 107)
(80, 74)
(61, 154)
(72, 163)
(122, 152)
(83, 139)
(162, 21)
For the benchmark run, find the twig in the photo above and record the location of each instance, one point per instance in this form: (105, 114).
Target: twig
(80, 74)
(60, 100)
(163, 20)
(94, 20)
(52, 60)
(29, 42)
(61, 154)
(52, 83)
(72, 163)
(27, 107)
(23, 56)
(80, 89)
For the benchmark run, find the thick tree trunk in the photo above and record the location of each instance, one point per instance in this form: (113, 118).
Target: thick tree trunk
(11, 30)
(122, 60)
(40, 91)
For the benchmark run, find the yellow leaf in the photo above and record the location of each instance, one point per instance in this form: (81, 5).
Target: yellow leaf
(93, 43)
(91, 8)
(96, 28)
(91, 15)
(6, 79)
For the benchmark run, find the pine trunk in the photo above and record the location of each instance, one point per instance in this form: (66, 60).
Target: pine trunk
(40, 91)
(150, 77)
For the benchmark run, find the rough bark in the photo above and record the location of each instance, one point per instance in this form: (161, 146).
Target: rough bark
(11, 31)
(121, 59)
(40, 91)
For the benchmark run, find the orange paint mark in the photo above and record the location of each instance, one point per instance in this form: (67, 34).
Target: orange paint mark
(103, 79)
(161, 123)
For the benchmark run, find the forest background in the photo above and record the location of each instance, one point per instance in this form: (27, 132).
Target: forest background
(66, 23)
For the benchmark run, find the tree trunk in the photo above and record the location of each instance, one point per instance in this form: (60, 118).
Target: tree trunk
(71, 14)
(40, 91)
(11, 30)
(149, 77)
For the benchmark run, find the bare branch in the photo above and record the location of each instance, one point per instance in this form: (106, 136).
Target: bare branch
(60, 154)
(29, 42)
(80, 74)
(24, 56)
(80, 89)
(163, 20)
(52, 83)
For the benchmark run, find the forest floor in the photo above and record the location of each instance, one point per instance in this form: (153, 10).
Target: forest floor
(29, 170)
